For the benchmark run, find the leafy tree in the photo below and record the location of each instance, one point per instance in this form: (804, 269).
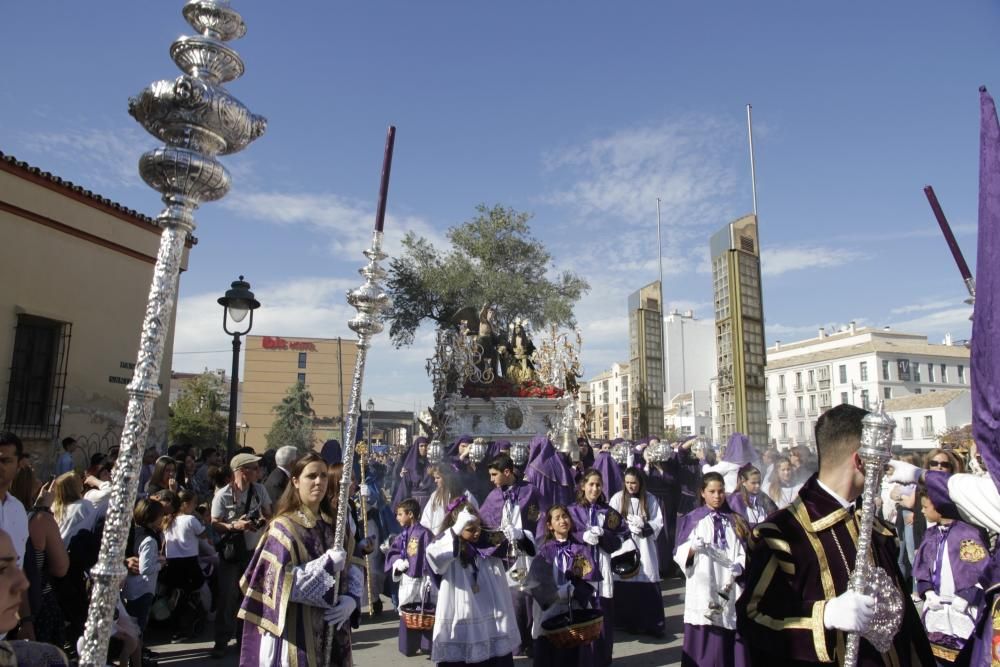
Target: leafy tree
(294, 422)
(493, 261)
(196, 418)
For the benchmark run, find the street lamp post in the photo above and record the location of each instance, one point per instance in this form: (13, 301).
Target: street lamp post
(244, 428)
(370, 406)
(237, 302)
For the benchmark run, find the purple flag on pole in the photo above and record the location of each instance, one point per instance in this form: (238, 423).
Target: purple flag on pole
(986, 317)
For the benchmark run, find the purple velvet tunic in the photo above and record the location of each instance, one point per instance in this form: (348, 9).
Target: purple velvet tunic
(417, 483)
(796, 567)
(411, 545)
(525, 496)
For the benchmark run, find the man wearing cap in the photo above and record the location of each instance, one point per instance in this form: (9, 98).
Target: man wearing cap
(242, 506)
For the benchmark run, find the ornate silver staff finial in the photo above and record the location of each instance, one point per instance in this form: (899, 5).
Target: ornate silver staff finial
(197, 119)
(371, 301)
(877, 429)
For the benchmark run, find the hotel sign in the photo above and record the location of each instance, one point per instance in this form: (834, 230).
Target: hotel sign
(276, 343)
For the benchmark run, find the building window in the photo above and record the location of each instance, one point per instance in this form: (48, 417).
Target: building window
(812, 378)
(930, 372)
(302, 359)
(865, 404)
(843, 374)
(863, 366)
(812, 402)
(38, 376)
(843, 397)
(798, 380)
(916, 373)
(903, 370)
(918, 390)
(887, 392)
(784, 430)
(802, 429)
(885, 369)
(302, 378)
(961, 374)
(944, 373)
(781, 382)
(928, 426)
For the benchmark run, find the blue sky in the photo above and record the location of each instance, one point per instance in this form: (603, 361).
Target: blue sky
(582, 113)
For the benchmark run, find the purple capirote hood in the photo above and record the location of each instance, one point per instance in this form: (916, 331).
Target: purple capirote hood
(544, 461)
(740, 450)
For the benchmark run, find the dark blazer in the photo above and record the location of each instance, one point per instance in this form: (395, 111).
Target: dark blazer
(275, 484)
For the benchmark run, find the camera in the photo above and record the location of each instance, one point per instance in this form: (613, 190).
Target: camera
(256, 520)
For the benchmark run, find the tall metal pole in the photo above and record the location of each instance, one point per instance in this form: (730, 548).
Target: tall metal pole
(234, 397)
(197, 119)
(753, 164)
(663, 337)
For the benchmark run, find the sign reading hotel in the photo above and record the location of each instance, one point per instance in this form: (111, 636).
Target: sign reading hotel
(276, 343)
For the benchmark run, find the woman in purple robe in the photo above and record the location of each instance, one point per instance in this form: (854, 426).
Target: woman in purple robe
(562, 579)
(601, 528)
(289, 602)
(414, 479)
(612, 479)
(549, 474)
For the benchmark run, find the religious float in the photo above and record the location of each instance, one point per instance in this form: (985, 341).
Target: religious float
(496, 384)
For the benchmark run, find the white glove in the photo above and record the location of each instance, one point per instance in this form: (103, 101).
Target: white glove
(597, 530)
(464, 518)
(341, 612)
(849, 611)
(932, 600)
(904, 473)
(698, 545)
(386, 546)
(635, 524)
(366, 492)
(400, 565)
(959, 604)
(591, 537)
(512, 534)
(339, 558)
(564, 592)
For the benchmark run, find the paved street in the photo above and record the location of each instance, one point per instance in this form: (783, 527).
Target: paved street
(375, 643)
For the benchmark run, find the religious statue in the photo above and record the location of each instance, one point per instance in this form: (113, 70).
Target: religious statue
(490, 343)
(520, 367)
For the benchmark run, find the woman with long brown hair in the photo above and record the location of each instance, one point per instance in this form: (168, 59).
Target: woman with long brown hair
(289, 603)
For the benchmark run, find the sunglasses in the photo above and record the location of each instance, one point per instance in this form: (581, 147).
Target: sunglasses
(939, 464)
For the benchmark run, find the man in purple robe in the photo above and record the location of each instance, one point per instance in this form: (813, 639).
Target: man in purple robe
(549, 474)
(796, 608)
(514, 508)
(666, 481)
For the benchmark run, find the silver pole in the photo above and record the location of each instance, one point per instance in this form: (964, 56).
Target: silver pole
(753, 164)
(197, 119)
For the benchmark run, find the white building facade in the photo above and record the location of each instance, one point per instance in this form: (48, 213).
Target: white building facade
(607, 404)
(689, 414)
(920, 418)
(690, 350)
(861, 366)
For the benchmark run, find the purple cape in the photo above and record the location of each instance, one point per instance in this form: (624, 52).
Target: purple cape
(691, 519)
(615, 528)
(527, 499)
(761, 501)
(739, 450)
(549, 474)
(418, 483)
(967, 553)
(411, 545)
(610, 472)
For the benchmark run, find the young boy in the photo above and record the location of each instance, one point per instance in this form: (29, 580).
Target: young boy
(407, 561)
(946, 569)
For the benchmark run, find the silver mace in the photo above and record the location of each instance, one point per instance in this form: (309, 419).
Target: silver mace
(876, 449)
(371, 301)
(198, 120)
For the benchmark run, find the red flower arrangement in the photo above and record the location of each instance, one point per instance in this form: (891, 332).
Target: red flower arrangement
(503, 388)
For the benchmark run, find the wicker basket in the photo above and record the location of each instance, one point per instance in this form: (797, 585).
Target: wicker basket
(417, 617)
(566, 631)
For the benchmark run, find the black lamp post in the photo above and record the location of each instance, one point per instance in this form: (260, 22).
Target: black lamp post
(370, 405)
(237, 302)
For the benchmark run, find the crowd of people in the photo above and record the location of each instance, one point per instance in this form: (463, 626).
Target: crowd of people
(486, 560)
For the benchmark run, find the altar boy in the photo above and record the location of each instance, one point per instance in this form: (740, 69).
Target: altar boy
(407, 561)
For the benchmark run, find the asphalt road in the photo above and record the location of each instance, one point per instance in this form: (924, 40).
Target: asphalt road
(375, 642)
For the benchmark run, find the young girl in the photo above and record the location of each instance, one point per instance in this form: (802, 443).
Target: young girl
(562, 576)
(474, 620)
(182, 533)
(601, 528)
(407, 561)
(449, 487)
(711, 550)
(748, 501)
(140, 589)
(783, 488)
(946, 569)
(638, 600)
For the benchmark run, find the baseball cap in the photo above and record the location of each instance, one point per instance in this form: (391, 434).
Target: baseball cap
(241, 460)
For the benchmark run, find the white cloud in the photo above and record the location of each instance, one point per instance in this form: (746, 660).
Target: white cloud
(106, 158)
(621, 175)
(920, 307)
(348, 222)
(953, 320)
(778, 260)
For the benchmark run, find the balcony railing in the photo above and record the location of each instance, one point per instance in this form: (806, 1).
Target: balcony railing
(782, 389)
(782, 414)
(906, 433)
(783, 439)
(799, 412)
(799, 387)
(928, 433)
(810, 386)
(824, 383)
(813, 412)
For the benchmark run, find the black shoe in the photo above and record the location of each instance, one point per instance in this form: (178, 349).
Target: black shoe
(177, 638)
(218, 652)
